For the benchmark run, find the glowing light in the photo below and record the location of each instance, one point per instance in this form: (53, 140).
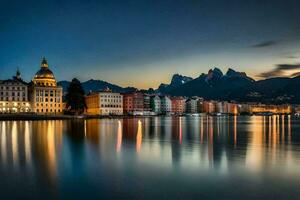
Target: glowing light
(139, 137)
(119, 137)
(27, 143)
(3, 143)
(180, 131)
(14, 140)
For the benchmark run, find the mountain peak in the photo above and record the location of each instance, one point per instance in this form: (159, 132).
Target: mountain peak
(232, 73)
(214, 74)
(179, 79)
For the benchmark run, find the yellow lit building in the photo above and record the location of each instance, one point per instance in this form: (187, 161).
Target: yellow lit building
(45, 95)
(276, 109)
(13, 95)
(104, 103)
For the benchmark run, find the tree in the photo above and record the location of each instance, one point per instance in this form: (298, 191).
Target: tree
(75, 97)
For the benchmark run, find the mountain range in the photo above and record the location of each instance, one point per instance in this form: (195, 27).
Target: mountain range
(216, 85)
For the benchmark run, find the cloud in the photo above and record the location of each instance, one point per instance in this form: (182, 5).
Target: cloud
(292, 57)
(282, 70)
(295, 74)
(264, 44)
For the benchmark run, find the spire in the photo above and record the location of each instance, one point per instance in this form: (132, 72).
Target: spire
(44, 63)
(18, 73)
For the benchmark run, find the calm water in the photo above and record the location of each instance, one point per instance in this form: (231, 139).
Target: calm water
(145, 158)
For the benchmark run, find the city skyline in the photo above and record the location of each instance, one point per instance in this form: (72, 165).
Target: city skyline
(130, 43)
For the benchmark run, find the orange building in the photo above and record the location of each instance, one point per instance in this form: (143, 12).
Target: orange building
(133, 103)
(178, 105)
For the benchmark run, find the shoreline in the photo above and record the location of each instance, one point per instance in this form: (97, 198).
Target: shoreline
(33, 117)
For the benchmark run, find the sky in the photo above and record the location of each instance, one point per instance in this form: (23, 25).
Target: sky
(143, 43)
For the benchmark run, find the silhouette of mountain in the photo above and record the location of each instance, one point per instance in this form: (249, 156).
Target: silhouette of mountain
(97, 85)
(216, 85)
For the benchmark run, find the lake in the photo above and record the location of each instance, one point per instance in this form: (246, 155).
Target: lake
(193, 157)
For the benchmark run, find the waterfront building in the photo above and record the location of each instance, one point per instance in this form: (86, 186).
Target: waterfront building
(221, 107)
(200, 105)
(178, 105)
(147, 106)
(14, 95)
(166, 105)
(133, 103)
(192, 105)
(275, 109)
(104, 103)
(233, 108)
(155, 104)
(209, 107)
(45, 96)
(244, 108)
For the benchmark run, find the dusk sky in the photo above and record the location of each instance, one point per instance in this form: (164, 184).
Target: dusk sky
(143, 43)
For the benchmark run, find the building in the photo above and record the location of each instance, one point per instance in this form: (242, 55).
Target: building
(155, 104)
(14, 95)
(221, 107)
(104, 103)
(166, 105)
(178, 105)
(209, 106)
(147, 106)
(275, 109)
(233, 108)
(192, 105)
(45, 95)
(133, 103)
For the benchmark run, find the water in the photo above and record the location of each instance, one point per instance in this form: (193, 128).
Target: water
(246, 157)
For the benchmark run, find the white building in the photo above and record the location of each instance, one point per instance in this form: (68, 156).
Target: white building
(104, 103)
(166, 105)
(155, 104)
(14, 95)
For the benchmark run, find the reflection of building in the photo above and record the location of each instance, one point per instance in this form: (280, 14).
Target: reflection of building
(104, 103)
(46, 96)
(155, 104)
(166, 104)
(178, 105)
(13, 95)
(133, 103)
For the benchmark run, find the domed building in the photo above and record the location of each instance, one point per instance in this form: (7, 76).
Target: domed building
(44, 77)
(46, 96)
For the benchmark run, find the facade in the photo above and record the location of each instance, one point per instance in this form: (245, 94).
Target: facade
(104, 103)
(147, 106)
(166, 105)
(233, 108)
(209, 107)
(14, 95)
(276, 109)
(155, 104)
(133, 103)
(191, 105)
(45, 95)
(178, 105)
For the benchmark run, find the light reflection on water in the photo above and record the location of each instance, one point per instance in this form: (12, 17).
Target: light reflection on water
(158, 157)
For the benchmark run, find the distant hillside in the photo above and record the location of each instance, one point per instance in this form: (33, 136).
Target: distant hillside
(215, 85)
(96, 85)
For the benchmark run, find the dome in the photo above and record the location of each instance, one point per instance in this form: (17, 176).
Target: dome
(44, 73)
(44, 77)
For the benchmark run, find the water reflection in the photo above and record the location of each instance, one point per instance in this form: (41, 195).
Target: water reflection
(81, 150)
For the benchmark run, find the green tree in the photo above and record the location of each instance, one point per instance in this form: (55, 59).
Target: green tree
(75, 97)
